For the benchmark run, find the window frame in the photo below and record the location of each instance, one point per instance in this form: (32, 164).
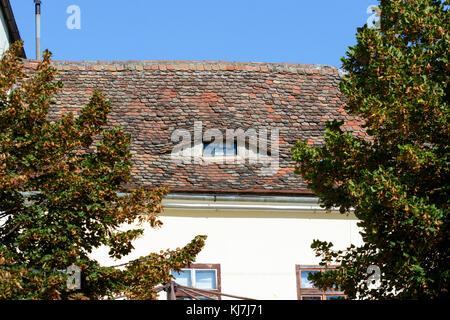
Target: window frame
(314, 292)
(203, 266)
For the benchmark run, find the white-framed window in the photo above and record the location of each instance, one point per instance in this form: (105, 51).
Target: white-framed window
(197, 278)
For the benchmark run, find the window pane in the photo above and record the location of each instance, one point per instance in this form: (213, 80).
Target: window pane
(219, 149)
(305, 283)
(183, 277)
(208, 149)
(230, 149)
(334, 286)
(213, 148)
(205, 279)
(311, 298)
(335, 298)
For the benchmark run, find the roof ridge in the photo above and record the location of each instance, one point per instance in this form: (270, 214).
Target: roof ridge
(188, 65)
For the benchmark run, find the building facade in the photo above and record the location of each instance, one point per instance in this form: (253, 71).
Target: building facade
(220, 135)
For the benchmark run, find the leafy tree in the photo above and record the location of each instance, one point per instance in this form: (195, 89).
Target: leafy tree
(396, 177)
(62, 195)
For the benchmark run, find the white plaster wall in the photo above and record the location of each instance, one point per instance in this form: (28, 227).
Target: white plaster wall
(257, 251)
(4, 38)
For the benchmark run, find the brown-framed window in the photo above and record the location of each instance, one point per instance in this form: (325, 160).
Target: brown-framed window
(305, 288)
(200, 276)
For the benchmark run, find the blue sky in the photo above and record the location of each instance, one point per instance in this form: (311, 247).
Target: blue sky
(295, 31)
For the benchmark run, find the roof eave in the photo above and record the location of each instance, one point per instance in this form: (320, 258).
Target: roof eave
(13, 30)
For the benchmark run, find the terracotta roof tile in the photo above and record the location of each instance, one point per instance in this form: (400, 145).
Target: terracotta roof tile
(153, 98)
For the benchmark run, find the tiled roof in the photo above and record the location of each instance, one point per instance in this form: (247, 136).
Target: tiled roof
(153, 98)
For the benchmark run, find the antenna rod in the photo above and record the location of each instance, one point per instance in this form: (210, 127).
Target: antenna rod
(38, 29)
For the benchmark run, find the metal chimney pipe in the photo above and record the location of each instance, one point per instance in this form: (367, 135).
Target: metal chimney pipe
(38, 29)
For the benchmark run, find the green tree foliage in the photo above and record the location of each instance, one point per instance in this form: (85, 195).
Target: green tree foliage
(62, 195)
(396, 178)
